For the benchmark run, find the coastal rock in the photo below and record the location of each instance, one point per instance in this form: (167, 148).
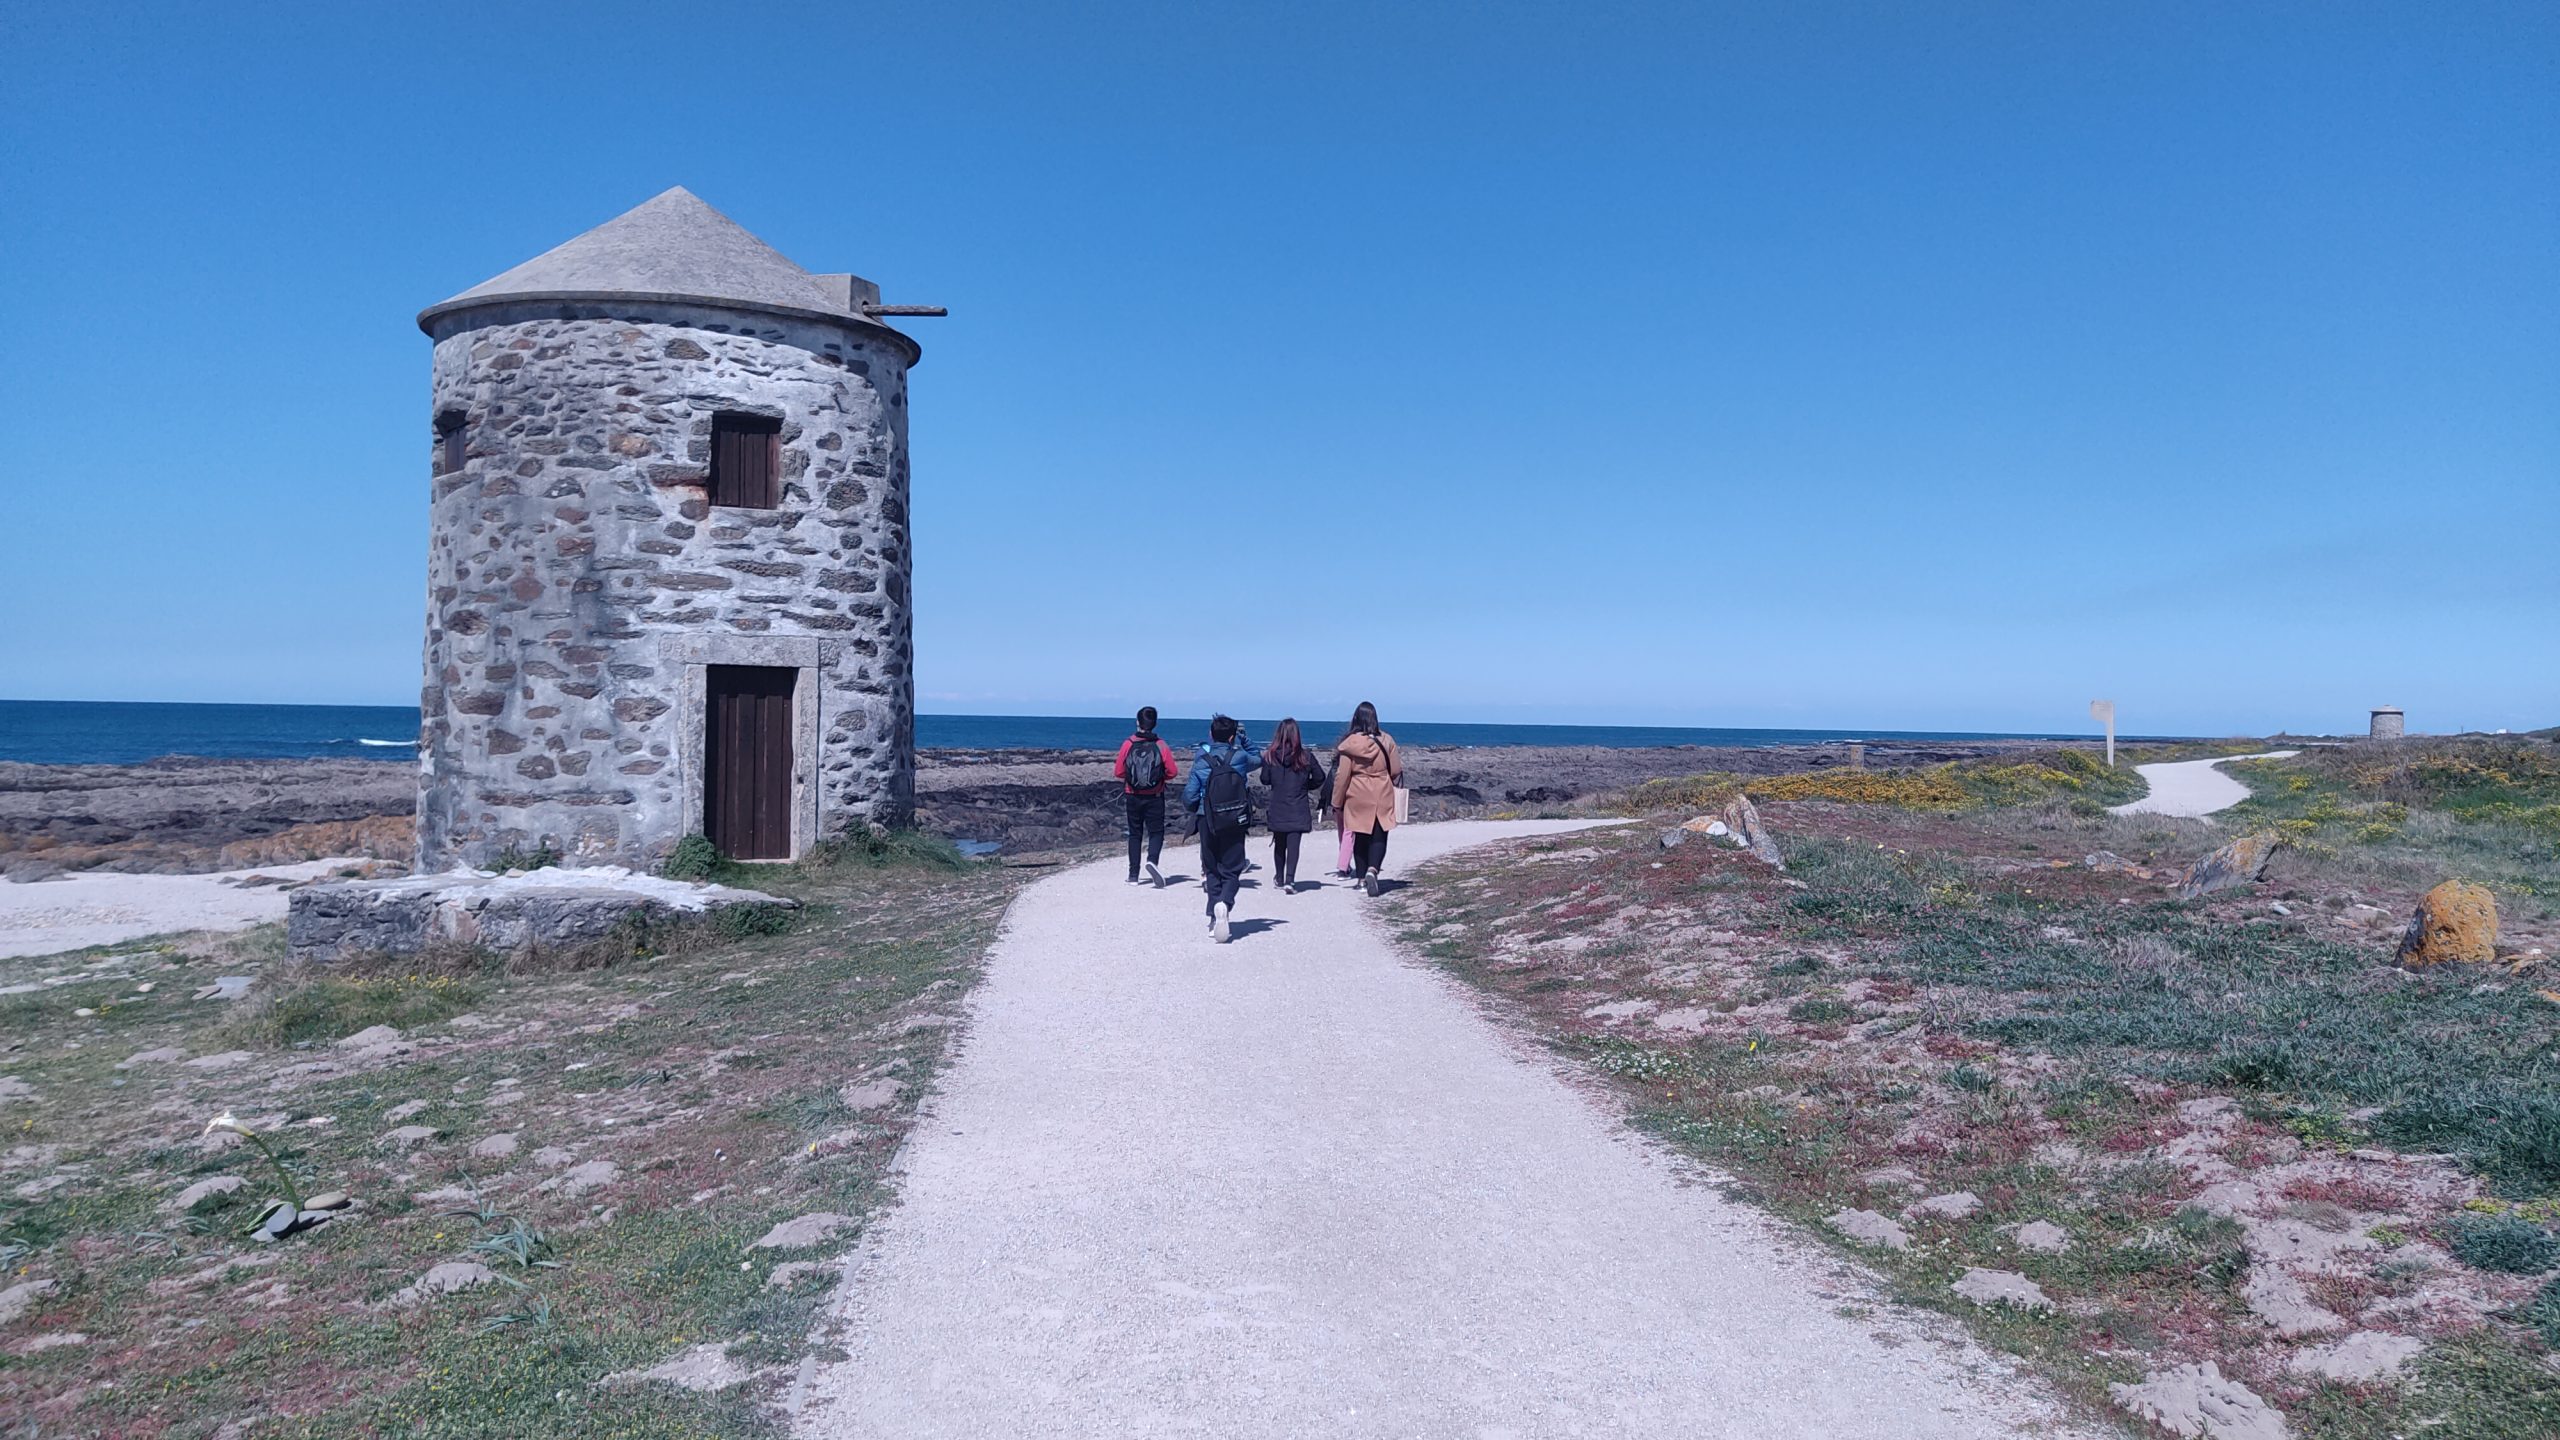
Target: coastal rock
(2043, 1236)
(804, 1230)
(2001, 1287)
(1869, 1228)
(29, 870)
(370, 1037)
(581, 1178)
(788, 1273)
(2196, 1402)
(2108, 862)
(186, 1201)
(868, 1095)
(509, 914)
(1743, 819)
(226, 987)
(1952, 1206)
(704, 1368)
(444, 1279)
(2455, 923)
(2242, 862)
(20, 1298)
(494, 1147)
(160, 1055)
(408, 1137)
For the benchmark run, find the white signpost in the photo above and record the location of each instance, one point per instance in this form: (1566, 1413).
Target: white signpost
(2104, 712)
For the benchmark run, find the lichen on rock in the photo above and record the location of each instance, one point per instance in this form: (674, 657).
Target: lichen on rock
(2456, 923)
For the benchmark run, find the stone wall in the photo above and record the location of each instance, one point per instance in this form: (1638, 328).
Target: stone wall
(578, 578)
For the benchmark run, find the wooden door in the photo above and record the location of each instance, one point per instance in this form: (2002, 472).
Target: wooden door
(746, 762)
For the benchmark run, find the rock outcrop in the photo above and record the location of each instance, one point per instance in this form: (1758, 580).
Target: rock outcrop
(2242, 862)
(505, 913)
(1743, 819)
(2456, 923)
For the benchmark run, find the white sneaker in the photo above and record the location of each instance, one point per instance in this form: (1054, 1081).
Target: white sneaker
(1155, 876)
(1218, 926)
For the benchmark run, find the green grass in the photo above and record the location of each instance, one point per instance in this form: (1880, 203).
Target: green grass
(2505, 1243)
(320, 1009)
(2170, 990)
(2486, 808)
(2035, 1001)
(719, 1056)
(2068, 776)
(2482, 1386)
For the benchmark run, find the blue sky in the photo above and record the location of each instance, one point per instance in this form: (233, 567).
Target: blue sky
(1873, 366)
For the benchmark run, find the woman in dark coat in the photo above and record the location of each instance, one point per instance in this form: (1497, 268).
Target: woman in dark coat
(1296, 782)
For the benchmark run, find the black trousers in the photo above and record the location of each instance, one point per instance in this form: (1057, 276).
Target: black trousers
(1369, 851)
(1221, 865)
(1284, 857)
(1146, 824)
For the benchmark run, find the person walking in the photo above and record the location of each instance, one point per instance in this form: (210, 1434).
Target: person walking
(1297, 787)
(1217, 793)
(1366, 775)
(1341, 826)
(1145, 767)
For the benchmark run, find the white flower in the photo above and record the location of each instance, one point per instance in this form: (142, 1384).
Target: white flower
(227, 1121)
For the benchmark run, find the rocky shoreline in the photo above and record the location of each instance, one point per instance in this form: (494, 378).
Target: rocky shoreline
(189, 816)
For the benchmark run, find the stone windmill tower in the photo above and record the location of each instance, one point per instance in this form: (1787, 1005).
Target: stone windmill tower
(667, 569)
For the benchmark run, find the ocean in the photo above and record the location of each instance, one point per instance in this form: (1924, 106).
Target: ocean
(78, 732)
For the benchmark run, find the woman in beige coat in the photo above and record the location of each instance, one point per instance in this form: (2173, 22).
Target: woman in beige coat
(1366, 773)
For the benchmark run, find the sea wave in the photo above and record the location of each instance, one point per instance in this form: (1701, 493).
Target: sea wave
(412, 744)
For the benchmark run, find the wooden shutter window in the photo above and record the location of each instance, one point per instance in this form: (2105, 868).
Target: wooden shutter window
(746, 461)
(450, 437)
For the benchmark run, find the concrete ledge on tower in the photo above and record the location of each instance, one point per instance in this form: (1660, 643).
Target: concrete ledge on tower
(514, 914)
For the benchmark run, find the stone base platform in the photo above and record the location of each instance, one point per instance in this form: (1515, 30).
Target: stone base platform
(508, 913)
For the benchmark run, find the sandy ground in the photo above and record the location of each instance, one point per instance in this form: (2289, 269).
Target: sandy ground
(101, 908)
(2192, 788)
(1298, 1185)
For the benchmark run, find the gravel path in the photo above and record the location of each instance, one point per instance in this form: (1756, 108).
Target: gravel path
(1300, 1186)
(2192, 788)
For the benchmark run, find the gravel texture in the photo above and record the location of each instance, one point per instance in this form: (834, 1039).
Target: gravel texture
(1299, 1185)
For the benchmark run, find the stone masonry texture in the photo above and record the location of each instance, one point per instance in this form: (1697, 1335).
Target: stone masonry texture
(576, 568)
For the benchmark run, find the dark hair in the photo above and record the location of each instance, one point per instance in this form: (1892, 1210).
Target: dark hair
(1286, 747)
(1221, 729)
(1146, 717)
(1364, 721)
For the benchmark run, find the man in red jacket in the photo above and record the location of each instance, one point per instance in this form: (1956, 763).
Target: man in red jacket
(1142, 783)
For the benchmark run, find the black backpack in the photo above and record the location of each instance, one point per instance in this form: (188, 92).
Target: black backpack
(1146, 764)
(1226, 806)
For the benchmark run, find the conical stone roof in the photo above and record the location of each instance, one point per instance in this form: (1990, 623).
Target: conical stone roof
(672, 247)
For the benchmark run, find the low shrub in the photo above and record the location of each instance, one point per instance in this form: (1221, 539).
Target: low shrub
(873, 845)
(540, 857)
(2543, 1314)
(737, 922)
(326, 1008)
(694, 858)
(2508, 1244)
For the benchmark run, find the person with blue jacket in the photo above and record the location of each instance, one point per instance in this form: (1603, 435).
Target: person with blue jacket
(1216, 795)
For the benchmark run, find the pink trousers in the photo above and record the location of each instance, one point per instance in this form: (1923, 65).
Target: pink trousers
(1343, 826)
